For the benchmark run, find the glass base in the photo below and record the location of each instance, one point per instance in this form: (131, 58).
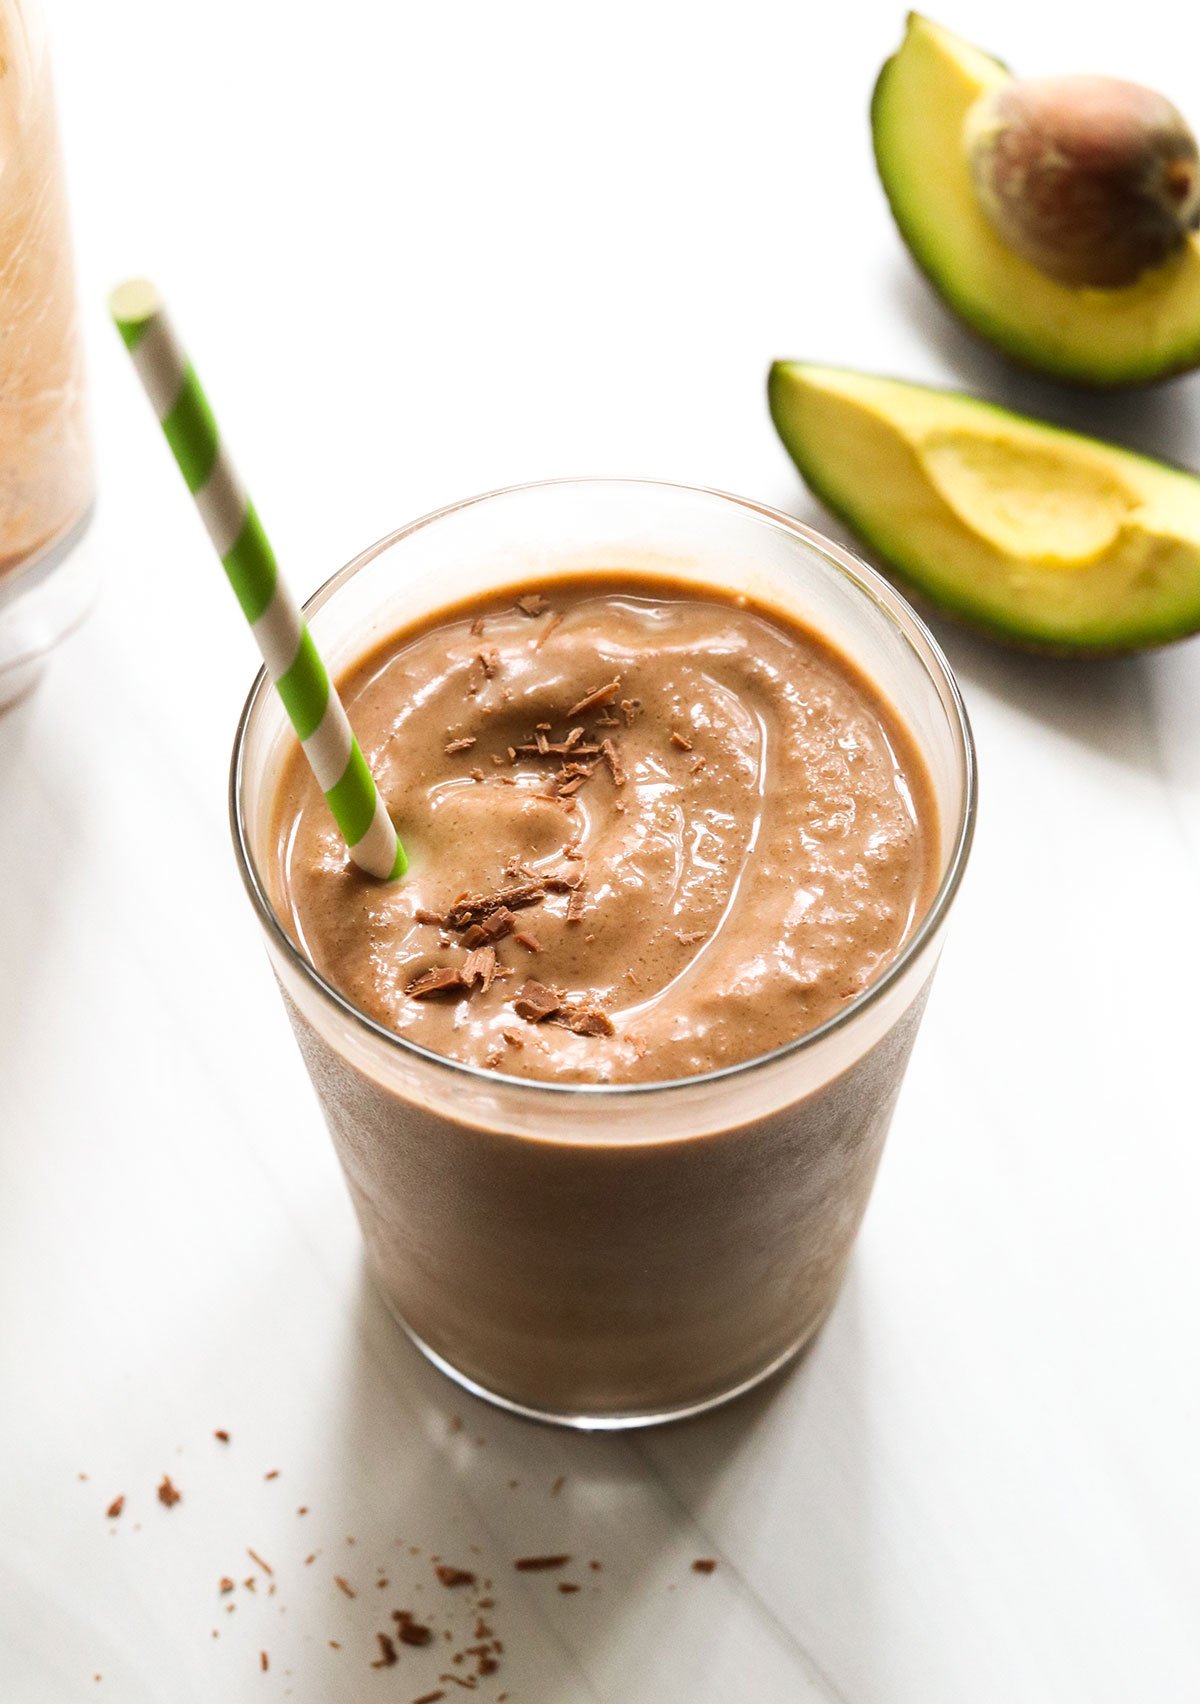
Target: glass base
(620, 1422)
(41, 602)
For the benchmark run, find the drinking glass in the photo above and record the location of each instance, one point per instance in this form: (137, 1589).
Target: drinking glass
(604, 1255)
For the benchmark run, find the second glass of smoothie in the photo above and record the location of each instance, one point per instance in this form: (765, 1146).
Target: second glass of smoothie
(47, 578)
(688, 792)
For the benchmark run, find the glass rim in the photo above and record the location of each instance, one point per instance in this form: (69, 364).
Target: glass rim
(867, 580)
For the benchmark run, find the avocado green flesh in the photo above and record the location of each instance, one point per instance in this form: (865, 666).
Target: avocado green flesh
(1041, 536)
(1139, 332)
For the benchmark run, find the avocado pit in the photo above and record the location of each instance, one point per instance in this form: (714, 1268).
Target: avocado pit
(1092, 180)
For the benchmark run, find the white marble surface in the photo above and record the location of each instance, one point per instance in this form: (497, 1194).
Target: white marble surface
(421, 251)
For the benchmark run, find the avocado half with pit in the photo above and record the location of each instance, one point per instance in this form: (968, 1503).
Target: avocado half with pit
(1101, 336)
(1045, 538)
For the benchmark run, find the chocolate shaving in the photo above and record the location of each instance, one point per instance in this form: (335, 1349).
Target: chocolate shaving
(576, 904)
(567, 1586)
(440, 980)
(224, 1585)
(512, 1038)
(608, 720)
(485, 1662)
(493, 928)
(344, 1586)
(430, 1697)
(388, 1655)
(536, 1002)
(704, 1565)
(255, 1557)
(537, 1564)
(168, 1496)
(629, 709)
(532, 603)
(473, 908)
(264, 1661)
(489, 661)
(691, 936)
(421, 915)
(454, 1576)
(564, 789)
(115, 1507)
(680, 740)
(599, 695)
(564, 881)
(409, 1631)
(563, 748)
(222, 1437)
(554, 621)
(463, 744)
(584, 1020)
(613, 759)
(480, 966)
(528, 940)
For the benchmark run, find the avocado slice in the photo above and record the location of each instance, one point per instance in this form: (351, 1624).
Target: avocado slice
(1129, 335)
(1043, 537)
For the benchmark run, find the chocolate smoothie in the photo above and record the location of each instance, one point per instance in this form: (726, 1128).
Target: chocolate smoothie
(694, 829)
(656, 832)
(45, 463)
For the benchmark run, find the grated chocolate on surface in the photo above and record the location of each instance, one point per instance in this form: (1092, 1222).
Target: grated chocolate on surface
(596, 698)
(388, 1655)
(480, 966)
(584, 1020)
(564, 881)
(536, 1002)
(442, 979)
(409, 1630)
(613, 759)
(454, 1576)
(493, 928)
(473, 908)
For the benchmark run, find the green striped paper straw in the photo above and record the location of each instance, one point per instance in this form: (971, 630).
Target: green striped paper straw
(282, 635)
